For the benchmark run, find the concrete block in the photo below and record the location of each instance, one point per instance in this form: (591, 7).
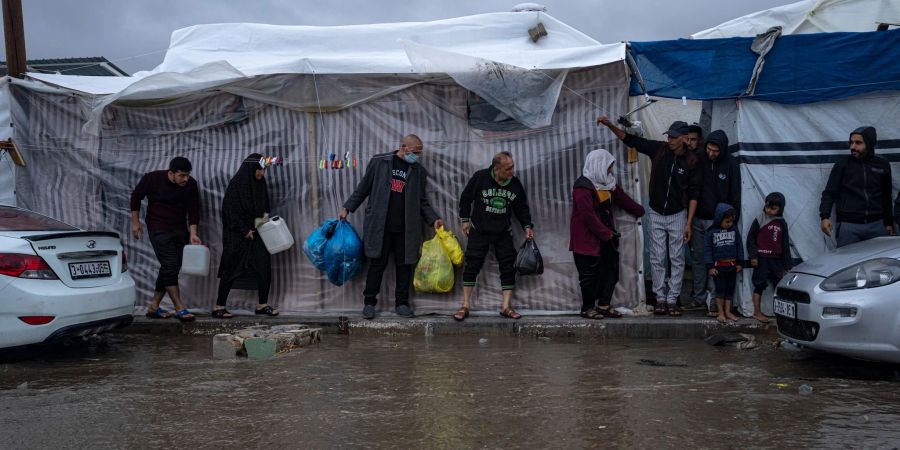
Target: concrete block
(302, 338)
(247, 333)
(288, 327)
(260, 348)
(284, 342)
(224, 346)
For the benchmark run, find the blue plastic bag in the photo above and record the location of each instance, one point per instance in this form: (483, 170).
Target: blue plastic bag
(314, 246)
(343, 254)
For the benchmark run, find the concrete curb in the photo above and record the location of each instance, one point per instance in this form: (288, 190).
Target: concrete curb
(650, 327)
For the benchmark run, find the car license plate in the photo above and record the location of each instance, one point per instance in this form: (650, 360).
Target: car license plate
(787, 309)
(92, 269)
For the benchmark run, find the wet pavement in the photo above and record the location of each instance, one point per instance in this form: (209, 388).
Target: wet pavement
(145, 391)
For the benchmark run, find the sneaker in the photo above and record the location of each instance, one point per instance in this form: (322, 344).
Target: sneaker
(404, 310)
(369, 312)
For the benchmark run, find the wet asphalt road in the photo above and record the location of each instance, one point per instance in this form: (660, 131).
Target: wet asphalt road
(141, 391)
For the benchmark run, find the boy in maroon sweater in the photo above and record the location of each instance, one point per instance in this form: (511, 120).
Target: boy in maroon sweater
(768, 246)
(172, 195)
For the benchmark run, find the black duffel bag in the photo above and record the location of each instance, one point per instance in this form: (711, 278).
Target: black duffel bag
(529, 261)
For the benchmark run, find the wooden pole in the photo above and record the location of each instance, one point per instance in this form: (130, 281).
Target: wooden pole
(14, 35)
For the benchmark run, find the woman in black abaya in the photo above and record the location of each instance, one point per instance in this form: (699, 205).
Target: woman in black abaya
(243, 252)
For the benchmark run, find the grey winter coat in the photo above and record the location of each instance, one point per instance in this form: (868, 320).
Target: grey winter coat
(376, 185)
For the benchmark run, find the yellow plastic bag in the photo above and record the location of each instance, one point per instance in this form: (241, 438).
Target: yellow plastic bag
(451, 246)
(434, 272)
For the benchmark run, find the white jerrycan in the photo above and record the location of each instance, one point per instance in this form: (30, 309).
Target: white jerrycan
(195, 260)
(275, 235)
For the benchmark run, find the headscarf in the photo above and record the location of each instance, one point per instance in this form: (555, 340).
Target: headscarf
(252, 194)
(596, 169)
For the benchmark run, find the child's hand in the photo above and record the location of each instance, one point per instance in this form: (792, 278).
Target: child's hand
(754, 262)
(738, 268)
(713, 272)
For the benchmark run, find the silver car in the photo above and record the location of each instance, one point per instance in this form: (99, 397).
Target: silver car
(845, 302)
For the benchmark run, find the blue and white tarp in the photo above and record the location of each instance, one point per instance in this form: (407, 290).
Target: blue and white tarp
(799, 68)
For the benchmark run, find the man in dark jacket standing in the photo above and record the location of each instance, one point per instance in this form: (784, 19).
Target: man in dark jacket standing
(486, 206)
(719, 183)
(859, 188)
(172, 196)
(674, 188)
(396, 186)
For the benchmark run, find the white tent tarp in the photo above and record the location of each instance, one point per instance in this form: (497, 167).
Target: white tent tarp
(257, 49)
(7, 168)
(810, 16)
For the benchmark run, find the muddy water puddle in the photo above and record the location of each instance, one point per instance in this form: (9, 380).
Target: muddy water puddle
(448, 392)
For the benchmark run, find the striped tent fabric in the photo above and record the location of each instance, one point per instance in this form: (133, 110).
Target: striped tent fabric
(87, 181)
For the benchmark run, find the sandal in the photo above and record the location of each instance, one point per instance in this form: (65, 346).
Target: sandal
(674, 311)
(592, 313)
(267, 310)
(158, 313)
(461, 314)
(510, 313)
(222, 313)
(185, 315)
(609, 312)
(661, 309)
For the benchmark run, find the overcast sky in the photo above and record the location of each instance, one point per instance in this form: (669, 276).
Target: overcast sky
(135, 33)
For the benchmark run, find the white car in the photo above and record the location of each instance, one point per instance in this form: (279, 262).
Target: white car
(845, 302)
(57, 281)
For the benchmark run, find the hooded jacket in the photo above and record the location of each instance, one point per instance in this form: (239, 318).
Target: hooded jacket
(720, 180)
(722, 244)
(674, 180)
(769, 238)
(859, 188)
(592, 221)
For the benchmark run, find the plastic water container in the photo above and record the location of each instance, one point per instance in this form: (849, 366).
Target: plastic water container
(275, 235)
(195, 260)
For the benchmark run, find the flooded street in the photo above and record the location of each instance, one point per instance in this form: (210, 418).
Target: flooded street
(141, 391)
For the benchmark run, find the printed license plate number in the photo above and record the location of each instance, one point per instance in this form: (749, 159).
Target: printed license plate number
(787, 309)
(93, 269)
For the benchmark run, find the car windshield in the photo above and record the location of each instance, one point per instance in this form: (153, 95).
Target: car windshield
(15, 219)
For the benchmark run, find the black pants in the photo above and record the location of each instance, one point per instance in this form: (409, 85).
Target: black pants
(258, 265)
(476, 251)
(393, 243)
(725, 282)
(597, 277)
(169, 248)
(767, 270)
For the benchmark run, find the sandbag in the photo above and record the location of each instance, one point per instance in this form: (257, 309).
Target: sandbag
(529, 261)
(451, 246)
(434, 271)
(314, 246)
(343, 254)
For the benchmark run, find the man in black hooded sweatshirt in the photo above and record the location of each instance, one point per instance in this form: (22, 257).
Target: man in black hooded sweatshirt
(719, 183)
(859, 188)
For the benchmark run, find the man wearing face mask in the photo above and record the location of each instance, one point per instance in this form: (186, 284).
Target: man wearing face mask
(396, 185)
(859, 188)
(674, 189)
